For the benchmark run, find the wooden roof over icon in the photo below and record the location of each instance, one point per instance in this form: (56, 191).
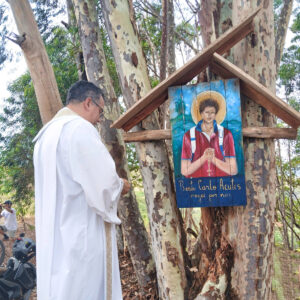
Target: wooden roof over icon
(211, 56)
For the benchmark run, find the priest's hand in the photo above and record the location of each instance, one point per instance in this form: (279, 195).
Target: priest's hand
(126, 186)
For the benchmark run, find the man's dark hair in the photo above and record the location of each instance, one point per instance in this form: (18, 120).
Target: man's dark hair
(209, 103)
(81, 90)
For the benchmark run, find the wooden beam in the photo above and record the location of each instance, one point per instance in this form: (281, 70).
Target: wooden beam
(270, 133)
(219, 70)
(186, 73)
(257, 92)
(146, 135)
(254, 132)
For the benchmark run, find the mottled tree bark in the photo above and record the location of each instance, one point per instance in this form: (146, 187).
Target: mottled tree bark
(212, 255)
(37, 60)
(207, 22)
(78, 52)
(282, 200)
(167, 67)
(250, 229)
(171, 62)
(163, 45)
(291, 195)
(233, 253)
(97, 72)
(281, 30)
(162, 211)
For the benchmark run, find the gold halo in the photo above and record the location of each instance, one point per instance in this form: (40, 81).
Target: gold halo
(209, 95)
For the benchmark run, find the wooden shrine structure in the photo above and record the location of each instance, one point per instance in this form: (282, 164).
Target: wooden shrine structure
(212, 56)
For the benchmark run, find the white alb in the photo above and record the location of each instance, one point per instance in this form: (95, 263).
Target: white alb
(76, 191)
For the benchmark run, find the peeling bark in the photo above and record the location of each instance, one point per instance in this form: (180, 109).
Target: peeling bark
(171, 64)
(164, 36)
(159, 193)
(206, 20)
(250, 229)
(234, 249)
(167, 45)
(97, 72)
(282, 200)
(37, 60)
(281, 30)
(78, 55)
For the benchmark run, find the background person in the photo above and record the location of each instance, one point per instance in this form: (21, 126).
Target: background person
(76, 196)
(10, 226)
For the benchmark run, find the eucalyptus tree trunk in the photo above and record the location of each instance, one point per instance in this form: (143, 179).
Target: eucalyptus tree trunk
(281, 29)
(250, 229)
(212, 256)
(163, 44)
(74, 36)
(171, 62)
(291, 195)
(167, 67)
(163, 214)
(37, 60)
(97, 72)
(233, 254)
(282, 201)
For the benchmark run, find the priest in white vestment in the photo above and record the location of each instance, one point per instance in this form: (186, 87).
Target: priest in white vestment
(76, 196)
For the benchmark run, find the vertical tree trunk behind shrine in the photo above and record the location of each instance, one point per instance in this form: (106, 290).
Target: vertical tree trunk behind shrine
(236, 243)
(159, 193)
(250, 229)
(97, 72)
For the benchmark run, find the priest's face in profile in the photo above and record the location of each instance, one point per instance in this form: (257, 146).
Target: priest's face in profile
(96, 111)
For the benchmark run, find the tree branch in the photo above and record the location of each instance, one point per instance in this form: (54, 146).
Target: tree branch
(18, 39)
(286, 222)
(150, 10)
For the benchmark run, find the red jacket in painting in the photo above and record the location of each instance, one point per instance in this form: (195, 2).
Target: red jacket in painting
(203, 141)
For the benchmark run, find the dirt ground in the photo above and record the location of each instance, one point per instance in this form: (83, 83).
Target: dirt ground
(286, 282)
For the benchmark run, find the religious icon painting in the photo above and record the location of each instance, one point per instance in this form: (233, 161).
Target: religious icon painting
(208, 144)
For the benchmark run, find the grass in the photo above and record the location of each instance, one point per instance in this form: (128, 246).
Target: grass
(140, 197)
(277, 278)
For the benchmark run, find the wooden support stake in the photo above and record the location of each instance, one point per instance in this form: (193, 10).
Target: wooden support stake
(254, 132)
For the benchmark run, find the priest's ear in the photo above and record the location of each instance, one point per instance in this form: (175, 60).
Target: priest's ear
(87, 103)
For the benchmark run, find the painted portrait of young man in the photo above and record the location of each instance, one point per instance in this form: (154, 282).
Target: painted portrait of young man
(207, 144)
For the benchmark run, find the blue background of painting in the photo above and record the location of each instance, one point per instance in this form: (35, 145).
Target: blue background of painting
(181, 99)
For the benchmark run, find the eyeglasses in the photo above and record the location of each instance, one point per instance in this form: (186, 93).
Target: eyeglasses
(100, 108)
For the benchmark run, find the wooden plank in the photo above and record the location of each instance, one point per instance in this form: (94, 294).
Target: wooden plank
(260, 94)
(219, 70)
(253, 94)
(270, 133)
(254, 132)
(235, 39)
(146, 135)
(271, 107)
(185, 73)
(141, 115)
